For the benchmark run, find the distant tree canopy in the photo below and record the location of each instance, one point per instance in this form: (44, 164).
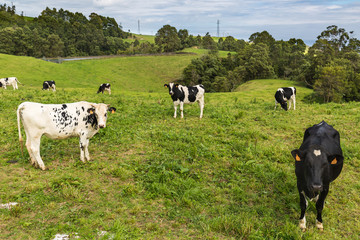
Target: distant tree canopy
(59, 33)
(331, 66)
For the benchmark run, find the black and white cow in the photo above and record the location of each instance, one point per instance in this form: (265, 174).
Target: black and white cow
(49, 84)
(317, 163)
(9, 81)
(182, 94)
(59, 121)
(103, 87)
(283, 95)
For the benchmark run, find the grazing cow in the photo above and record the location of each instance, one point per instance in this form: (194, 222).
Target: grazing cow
(317, 163)
(59, 121)
(103, 87)
(182, 94)
(49, 84)
(283, 95)
(9, 81)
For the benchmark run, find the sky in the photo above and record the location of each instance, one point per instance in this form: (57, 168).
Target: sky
(283, 19)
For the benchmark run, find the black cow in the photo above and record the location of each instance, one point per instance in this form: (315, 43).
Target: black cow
(317, 163)
(49, 84)
(182, 94)
(283, 95)
(103, 87)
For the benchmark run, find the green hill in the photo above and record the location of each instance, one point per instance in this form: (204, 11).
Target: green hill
(134, 73)
(227, 176)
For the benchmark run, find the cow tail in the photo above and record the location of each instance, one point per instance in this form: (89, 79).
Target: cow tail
(20, 108)
(18, 81)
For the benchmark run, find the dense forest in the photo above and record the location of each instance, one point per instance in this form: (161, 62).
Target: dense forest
(331, 66)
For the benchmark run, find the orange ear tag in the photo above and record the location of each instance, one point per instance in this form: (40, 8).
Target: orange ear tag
(297, 158)
(91, 112)
(112, 111)
(334, 161)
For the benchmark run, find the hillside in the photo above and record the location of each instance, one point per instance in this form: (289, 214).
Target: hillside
(134, 73)
(227, 176)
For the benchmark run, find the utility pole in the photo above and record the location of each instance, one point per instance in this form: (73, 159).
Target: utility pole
(218, 28)
(139, 26)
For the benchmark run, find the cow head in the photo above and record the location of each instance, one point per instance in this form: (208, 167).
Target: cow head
(317, 167)
(172, 87)
(284, 105)
(100, 111)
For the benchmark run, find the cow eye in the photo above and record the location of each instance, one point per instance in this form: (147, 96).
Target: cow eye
(105, 114)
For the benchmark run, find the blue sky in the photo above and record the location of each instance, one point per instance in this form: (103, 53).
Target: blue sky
(283, 19)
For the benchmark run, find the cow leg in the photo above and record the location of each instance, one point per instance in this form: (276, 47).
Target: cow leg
(87, 155)
(275, 104)
(82, 147)
(201, 104)
(31, 154)
(182, 109)
(294, 100)
(319, 207)
(289, 104)
(175, 107)
(109, 90)
(303, 205)
(35, 148)
(54, 88)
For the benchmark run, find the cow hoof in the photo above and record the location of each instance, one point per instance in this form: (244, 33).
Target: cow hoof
(319, 226)
(303, 229)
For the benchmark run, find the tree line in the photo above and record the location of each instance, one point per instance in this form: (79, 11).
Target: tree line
(56, 33)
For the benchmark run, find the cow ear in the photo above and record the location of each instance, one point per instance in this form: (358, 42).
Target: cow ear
(91, 110)
(335, 159)
(112, 109)
(297, 155)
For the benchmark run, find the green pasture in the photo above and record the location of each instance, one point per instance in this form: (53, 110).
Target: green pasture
(227, 176)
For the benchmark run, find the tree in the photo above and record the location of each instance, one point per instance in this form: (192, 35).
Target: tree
(331, 84)
(167, 39)
(184, 38)
(208, 42)
(263, 37)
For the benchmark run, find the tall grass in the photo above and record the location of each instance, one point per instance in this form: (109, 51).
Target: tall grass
(227, 176)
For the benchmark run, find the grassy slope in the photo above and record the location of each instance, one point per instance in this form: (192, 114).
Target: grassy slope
(228, 176)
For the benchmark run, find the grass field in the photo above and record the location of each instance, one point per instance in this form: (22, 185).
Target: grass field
(227, 176)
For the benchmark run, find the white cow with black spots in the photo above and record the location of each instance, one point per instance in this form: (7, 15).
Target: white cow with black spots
(60, 121)
(182, 94)
(9, 81)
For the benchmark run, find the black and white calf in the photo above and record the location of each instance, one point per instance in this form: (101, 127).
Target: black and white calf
(49, 84)
(182, 94)
(103, 87)
(317, 163)
(59, 121)
(283, 95)
(9, 81)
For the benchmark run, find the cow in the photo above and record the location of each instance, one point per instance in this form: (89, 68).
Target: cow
(182, 94)
(283, 95)
(60, 121)
(9, 81)
(318, 162)
(103, 87)
(49, 84)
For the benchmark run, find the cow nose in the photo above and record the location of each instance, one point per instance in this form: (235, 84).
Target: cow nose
(101, 126)
(317, 188)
